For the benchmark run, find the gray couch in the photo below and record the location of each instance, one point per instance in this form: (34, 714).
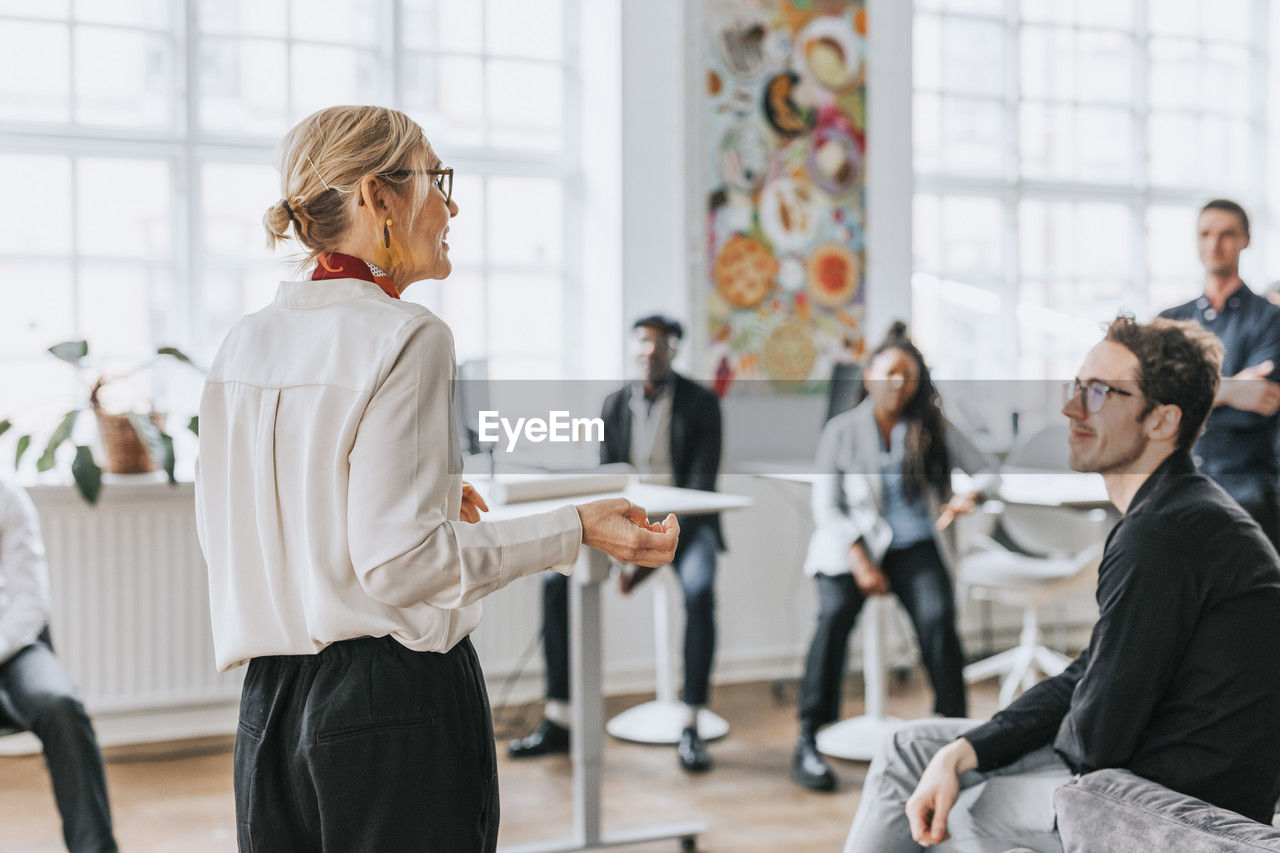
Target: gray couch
(1114, 810)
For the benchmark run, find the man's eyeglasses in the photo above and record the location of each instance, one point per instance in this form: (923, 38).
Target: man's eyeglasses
(443, 179)
(1095, 393)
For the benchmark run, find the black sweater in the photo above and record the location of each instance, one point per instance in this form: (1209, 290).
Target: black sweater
(1180, 682)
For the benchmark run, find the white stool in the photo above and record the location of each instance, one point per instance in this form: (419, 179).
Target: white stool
(662, 720)
(858, 738)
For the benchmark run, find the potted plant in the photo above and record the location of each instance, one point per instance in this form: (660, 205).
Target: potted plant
(134, 442)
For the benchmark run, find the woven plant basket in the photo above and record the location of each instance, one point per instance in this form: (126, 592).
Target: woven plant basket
(126, 454)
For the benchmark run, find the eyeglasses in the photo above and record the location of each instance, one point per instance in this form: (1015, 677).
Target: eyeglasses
(1095, 394)
(443, 179)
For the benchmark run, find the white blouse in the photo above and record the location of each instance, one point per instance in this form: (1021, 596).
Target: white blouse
(328, 486)
(24, 576)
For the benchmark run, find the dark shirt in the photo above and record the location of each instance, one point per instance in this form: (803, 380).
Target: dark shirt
(695, 443)
(1180, 682)
(1237, 448)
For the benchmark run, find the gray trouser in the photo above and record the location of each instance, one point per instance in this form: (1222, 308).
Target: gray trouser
(1006, 809)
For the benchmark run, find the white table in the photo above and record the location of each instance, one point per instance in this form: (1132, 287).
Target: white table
(1045, 487)
(585, 655)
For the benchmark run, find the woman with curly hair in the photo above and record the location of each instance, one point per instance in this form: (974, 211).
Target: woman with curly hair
(878, 516)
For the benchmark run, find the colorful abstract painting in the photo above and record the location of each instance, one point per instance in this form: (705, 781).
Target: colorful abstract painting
(784, 117)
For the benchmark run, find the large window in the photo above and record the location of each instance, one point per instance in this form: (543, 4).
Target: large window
(137, 142)
(1062, 149)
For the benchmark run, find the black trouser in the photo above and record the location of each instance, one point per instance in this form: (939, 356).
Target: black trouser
(921, 582)
(37, 693)
(695, 565)
(1266, 512)
(366, 746)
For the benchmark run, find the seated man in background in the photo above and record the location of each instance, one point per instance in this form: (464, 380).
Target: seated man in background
(1180, 682)
(35, 691)
(668, 427)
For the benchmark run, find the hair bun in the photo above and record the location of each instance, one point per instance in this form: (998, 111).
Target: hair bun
(897, 331)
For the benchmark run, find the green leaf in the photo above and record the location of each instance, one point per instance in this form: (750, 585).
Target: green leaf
(174, 352)
(149, 434)
(194, 425)
(71, 351)
(4, 426)
(61, 434)
(23, 443)
(87, 474)
(166, 457)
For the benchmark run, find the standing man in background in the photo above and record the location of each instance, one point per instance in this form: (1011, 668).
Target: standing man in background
(668, 427)
(1238, 447)
(36, 692)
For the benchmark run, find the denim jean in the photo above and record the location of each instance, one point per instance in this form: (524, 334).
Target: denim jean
(695, 565)
(921, 582)
(36, 691)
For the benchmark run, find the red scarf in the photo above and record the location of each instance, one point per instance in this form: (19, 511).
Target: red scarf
(338, 265)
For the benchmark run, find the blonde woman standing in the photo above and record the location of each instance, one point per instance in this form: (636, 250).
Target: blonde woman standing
(346, 557)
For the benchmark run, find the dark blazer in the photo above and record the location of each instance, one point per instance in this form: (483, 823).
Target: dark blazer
(695, 443)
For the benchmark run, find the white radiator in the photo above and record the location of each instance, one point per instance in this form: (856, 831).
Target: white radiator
(130, 615)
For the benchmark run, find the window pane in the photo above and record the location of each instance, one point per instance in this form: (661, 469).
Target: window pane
(462, 307)
(972, 234)
(116, 315)
(1104, 137)
(42, 224)
(35, 72)
(926, 240)
(1106, 68)
(231, 292)
(235, 197)
(1230, 20)
(525, 314)
(123, 207)
(144, 13)
(1171, 244)
(525, 104)
(1106, 13)
(443, 25)
(243, 86)
(926, 132)
(124, 78)
(973, 57)
(1174, 82)
(926, 53)
(1174, 150)
(525, 28)
(446, 96)
(466, 230)
(28, 9)
(35, 393)
(1225, 83)
(1174, 17)
(38, 309)
(346, 21)
(972, 135)
(328, 75)
(247, 17)
(526, 222)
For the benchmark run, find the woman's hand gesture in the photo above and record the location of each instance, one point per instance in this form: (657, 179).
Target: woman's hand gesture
(622, 530)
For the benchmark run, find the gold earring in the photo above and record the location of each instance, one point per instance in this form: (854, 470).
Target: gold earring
(386, 234)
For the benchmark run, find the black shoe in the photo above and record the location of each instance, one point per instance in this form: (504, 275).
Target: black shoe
(808, 767)
(692, 752)
(547, 739)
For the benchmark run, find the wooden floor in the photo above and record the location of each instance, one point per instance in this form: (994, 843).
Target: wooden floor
(177, 796)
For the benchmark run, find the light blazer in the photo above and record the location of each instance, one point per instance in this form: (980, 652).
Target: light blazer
(848, 499)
